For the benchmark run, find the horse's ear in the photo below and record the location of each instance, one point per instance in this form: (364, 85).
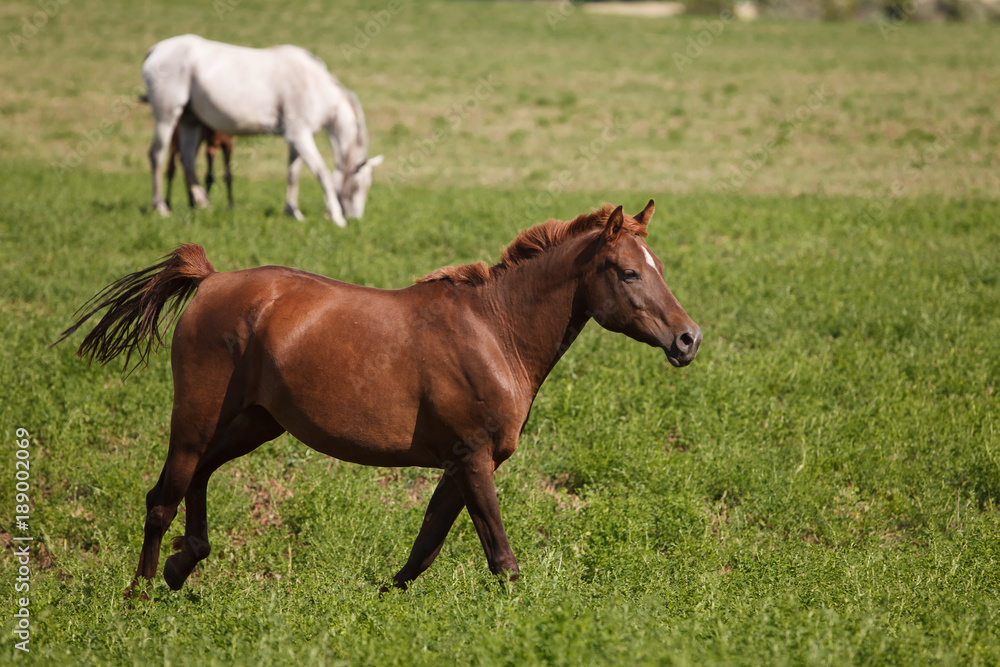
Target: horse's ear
(614, 225)
(375, 161)
(645, 215)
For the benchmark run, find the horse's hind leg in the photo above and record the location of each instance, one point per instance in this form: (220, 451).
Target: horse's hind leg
(194, 419)
(189, 140)
(162, 135)
(162, 501)
(249, 430)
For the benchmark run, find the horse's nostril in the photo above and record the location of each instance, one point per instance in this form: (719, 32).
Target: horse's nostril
(687, 340)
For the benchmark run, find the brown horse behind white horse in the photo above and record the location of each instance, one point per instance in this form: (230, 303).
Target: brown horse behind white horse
(213, 141)
(460, 356)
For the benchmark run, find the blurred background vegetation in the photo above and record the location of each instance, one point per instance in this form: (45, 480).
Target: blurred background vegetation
(841, 10)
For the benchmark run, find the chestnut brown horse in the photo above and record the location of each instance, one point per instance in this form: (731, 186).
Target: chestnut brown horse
(440, 374)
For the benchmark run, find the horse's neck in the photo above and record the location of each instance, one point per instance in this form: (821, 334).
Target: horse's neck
(536, 308)
(345, 130)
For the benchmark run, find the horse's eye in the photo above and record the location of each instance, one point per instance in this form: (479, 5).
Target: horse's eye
(630, 275)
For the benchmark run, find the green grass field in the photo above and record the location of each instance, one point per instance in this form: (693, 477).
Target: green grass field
(821, 486)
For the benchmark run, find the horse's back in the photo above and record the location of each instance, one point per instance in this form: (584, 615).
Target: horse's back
(237, 319)
(168, 48)
(288, 312)
(251, 295)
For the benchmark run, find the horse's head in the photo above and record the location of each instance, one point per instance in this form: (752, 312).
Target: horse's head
(625, 290)
(353, 186)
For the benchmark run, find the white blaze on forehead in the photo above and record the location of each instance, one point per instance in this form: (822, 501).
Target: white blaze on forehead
(649, 258)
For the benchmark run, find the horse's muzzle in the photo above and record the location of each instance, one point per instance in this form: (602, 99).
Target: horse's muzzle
(684, 347)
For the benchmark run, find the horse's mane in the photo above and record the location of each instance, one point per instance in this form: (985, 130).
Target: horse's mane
(362, 138)
(530, 243)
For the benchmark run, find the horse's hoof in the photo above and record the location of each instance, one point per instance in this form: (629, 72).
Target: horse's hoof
(162, 209)
(295, 213)
(200, 198)
(385, 588)
(172, 576)
(394, 586)
(130, 592)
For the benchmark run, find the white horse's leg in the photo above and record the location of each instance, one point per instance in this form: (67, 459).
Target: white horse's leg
(162, 134)
(306, 147)
(189, 139)
(292, 196)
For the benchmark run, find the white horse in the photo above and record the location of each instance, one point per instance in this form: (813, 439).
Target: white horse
(242, 91)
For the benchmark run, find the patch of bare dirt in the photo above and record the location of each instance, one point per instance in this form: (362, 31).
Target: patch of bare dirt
(643, 9)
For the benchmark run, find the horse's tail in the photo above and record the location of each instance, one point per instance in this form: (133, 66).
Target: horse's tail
(134, 303)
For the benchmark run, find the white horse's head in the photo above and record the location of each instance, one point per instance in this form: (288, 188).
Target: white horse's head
(352, 186)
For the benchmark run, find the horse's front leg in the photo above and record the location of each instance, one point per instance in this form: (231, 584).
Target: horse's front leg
(292, 195)
(443, 509)
(305, 145)
(475, 481)
(189, 138)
